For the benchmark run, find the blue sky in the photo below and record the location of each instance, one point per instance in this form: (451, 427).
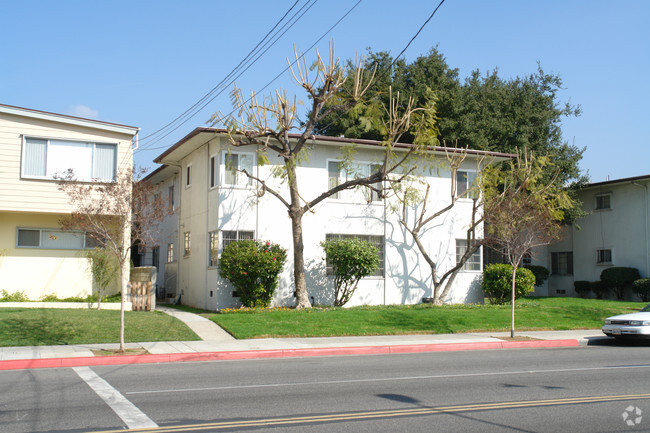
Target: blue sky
(143, 63)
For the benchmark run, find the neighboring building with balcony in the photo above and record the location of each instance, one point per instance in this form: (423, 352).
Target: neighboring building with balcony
(36, 256)
(217, 204)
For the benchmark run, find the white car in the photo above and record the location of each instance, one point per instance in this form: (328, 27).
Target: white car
(629, 325)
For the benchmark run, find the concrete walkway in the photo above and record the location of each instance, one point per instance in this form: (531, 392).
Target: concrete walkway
(217, 344)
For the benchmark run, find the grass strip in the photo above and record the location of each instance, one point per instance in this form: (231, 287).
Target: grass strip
(43, 326)
(531, 314)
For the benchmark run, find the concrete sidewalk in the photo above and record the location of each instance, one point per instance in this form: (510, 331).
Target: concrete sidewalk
(219, 345)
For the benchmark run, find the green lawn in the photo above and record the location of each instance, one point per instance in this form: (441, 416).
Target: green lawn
(531, 314)
(45, 326)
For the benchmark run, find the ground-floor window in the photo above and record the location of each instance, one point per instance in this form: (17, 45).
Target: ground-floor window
(604, 256)
(473, 263)
(377, 241)
(230, 236)
(562, 263)
(53, 239)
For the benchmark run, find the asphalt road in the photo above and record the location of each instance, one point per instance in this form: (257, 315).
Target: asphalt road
(586, 389)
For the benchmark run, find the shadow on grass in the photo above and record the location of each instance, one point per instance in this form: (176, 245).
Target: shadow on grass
(38, 331)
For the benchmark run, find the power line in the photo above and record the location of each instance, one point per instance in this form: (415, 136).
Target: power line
(274, 39)
(243, 61)
(281, 72)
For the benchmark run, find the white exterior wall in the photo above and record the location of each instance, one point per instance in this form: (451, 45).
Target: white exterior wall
(38, 203)
(407, 277)
(623, 229)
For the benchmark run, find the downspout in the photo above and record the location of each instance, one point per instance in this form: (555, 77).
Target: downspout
(207, 228)
(647, 230)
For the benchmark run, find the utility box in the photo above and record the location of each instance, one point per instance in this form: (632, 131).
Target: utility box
(143, 280)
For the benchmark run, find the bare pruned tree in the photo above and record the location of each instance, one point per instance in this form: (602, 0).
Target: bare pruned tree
(411, 198)
(273, 125)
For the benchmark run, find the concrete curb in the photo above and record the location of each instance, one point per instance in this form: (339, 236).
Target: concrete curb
(21, 364)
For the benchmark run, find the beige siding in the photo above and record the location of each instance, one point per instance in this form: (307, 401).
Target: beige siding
(31, 195)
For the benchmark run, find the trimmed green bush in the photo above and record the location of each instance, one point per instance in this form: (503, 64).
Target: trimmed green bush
(598, 288)
(254, 268)
(582, 288)
(540, 272)
(497, 283)
(618, 279)
(351, 259)
(642, 289)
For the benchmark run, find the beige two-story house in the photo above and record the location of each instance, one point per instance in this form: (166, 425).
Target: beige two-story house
(36, 256)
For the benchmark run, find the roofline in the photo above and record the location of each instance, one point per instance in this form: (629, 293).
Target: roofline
(625, 179)
(72, 120)
(326, 138)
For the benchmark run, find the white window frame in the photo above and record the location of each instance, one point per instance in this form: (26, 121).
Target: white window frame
(241, 180)
(187, 244)
(600, 251)
(475, 262)
(378, 241)
(170, 252)
(229, 236)
(361, 194)
(213, 248)
(50, 175)
(469, 179)
(52, 233)
(602, 196)
(170, 198)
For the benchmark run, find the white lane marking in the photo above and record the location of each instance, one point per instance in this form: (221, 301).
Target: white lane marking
(127, 411)
(388, 379)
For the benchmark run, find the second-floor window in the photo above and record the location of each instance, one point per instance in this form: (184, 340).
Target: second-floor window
(337, 175)
(234, 165)
(170, 196)
(49, 159)
(465, 183)
(603, 201)
(187, 244)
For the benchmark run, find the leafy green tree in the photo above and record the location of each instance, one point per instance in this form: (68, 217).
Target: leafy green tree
(350, 259)
(103, 271)
(254, 268)
(483, 112)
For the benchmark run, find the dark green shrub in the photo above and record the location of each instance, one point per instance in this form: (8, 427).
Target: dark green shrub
(497, 283)
(582, 288)
(253, 267)
(17, 296)
(540, 272)
(642, 289)
(598, 289)
(618, 279)
(351, 259)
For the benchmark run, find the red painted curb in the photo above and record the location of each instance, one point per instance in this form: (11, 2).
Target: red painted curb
(21, 364)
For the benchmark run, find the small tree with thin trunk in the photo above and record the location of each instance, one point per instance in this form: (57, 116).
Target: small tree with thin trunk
(411, 199)
(116, 216)
(267, 125)
(523, 210)
(102, 270)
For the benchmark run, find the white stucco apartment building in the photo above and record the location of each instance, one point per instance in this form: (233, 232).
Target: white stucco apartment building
(615, 232)
(36, 256)
(218, 205)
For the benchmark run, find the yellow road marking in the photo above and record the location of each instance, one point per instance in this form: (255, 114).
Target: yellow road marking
(385, 414)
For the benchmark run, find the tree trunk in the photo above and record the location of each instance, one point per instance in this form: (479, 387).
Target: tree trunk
(512, 306)
(296, 213)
